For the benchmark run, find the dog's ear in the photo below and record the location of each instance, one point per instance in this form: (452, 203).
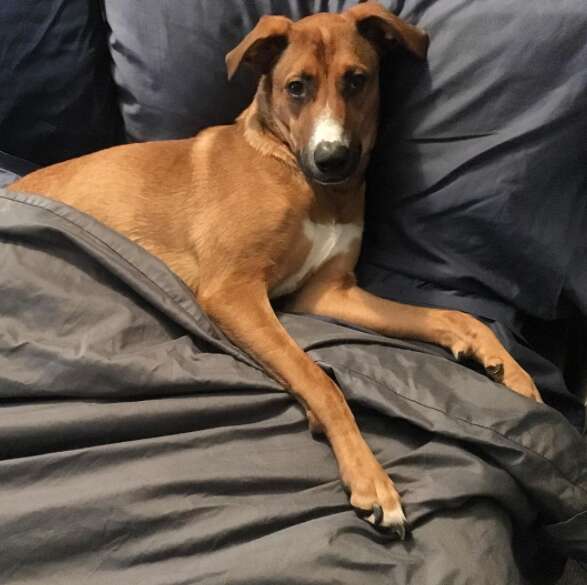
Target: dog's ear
(383, 28)
(261, 47)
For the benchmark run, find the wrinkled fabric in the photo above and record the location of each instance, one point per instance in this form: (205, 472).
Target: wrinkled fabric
(138, 445)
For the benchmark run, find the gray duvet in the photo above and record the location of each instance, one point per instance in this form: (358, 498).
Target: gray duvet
(138, 446)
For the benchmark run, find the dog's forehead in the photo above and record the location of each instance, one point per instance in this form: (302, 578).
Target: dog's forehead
(330, 20)
(327, 37)
(323, 28)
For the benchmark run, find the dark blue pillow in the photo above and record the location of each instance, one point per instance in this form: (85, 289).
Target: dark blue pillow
(57, 99)
(478, 188)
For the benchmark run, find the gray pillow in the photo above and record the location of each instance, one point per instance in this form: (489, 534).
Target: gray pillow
(169, 61)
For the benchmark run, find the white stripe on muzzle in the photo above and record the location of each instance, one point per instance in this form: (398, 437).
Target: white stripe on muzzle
(327, 129)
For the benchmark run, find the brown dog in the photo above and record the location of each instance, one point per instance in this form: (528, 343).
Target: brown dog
(272, 205)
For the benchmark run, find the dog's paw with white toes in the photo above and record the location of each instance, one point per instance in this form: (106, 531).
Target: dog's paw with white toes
(390, 521)
(381, 506)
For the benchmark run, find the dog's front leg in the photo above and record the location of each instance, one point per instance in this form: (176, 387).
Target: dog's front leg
(249, 321)
(338, 296)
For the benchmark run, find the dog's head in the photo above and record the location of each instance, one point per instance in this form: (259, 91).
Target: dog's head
(320, 82)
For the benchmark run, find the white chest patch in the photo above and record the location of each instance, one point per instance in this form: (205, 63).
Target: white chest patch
(328, 241)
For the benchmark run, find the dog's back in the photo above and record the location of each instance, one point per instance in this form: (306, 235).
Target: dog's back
(110, 183)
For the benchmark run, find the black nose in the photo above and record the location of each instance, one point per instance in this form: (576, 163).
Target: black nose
(331, 157)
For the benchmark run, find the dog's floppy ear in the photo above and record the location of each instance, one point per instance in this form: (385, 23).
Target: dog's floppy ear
(383, 28)
(261, 47)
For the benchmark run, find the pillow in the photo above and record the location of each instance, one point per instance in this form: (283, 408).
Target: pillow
(169, 61)
(57, 100)
(478, 186)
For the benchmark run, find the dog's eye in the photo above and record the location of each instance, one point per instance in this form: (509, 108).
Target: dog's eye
(356, 81)
(296, 88)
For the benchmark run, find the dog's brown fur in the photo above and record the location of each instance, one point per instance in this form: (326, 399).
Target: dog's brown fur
(226, 211)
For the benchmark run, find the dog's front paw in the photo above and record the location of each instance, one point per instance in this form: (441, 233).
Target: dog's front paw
(517, 379)
(508, 372)
(374, 497)
(467, 337)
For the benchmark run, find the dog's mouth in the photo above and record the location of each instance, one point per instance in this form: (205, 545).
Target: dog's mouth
(337, 169)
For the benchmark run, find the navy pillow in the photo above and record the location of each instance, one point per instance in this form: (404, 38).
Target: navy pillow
(478, 188)
(57, 99)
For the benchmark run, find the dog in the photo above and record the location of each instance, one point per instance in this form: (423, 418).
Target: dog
(272, 206)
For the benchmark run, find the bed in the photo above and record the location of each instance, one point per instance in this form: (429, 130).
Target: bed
(140, 446)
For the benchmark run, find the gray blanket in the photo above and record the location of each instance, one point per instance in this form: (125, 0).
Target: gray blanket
(138, 446)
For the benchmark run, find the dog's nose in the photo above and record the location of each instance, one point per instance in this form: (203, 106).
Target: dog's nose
(331, 157)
